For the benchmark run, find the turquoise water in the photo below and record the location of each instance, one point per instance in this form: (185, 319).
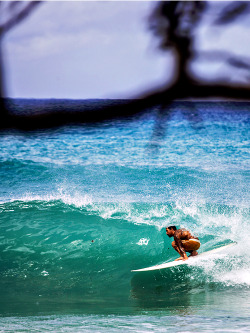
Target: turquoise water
(80, 207)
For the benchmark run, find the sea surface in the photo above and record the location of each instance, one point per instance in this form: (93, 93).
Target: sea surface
(82, 206)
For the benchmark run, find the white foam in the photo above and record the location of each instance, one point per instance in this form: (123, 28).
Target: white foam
(74, 198)
(44, 273)
(143, 241)
(237, 277)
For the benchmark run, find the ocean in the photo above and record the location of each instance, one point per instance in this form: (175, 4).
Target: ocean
(81, 206)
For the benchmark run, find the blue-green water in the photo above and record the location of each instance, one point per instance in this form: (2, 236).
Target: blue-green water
(82, 206)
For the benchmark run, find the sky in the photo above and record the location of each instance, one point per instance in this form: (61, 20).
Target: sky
(87, 49)
(104, 49)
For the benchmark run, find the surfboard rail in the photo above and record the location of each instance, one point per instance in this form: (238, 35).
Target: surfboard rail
(182, 262)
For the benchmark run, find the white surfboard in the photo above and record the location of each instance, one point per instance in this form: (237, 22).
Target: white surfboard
(183, 262)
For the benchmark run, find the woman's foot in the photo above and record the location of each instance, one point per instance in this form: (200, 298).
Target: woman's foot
(181, 258)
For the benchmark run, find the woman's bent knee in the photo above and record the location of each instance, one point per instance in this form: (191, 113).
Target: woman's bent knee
(173, 244)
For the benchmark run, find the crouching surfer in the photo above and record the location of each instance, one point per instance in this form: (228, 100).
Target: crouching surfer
(183, 242)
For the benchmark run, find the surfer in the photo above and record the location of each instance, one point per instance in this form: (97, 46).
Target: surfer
(183, 242)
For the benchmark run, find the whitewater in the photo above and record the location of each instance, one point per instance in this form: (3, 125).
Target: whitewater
(82, 206)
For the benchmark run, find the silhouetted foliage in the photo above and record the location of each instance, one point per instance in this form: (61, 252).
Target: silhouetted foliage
(11, 14)
(174, 24)
(232, 12)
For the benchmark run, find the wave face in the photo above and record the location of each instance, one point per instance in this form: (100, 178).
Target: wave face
(81, 207)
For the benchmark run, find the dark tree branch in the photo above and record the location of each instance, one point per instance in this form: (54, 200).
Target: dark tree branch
(17, 16)
(232, 12)
(49, 118)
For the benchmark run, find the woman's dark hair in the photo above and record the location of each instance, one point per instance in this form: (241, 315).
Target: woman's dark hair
(172, 227)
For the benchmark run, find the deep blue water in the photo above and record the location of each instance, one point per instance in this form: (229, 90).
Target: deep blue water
(81, 206)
